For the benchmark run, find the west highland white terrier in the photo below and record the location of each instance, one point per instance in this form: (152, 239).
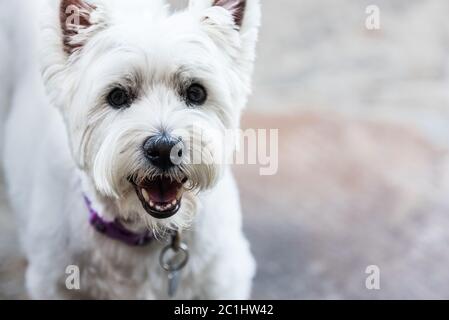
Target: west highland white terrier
(112, 101)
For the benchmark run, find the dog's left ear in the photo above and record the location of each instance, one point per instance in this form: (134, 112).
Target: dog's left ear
(235, 7)
(227, 19)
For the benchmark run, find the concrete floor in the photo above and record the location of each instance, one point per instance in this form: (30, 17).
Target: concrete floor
(348, 194)
(11, 262)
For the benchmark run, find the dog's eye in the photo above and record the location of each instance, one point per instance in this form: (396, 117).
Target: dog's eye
(196, 95)
(119, 98)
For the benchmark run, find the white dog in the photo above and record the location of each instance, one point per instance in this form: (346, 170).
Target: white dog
(99, 143)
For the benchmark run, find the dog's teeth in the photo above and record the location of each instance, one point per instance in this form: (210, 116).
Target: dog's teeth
(145, 195)
(151, 204)
(174, 202)
(159, 208)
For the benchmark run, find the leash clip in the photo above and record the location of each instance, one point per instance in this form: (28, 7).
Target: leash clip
(174, 259)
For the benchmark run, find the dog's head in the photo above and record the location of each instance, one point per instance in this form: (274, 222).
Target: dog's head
(147, 95)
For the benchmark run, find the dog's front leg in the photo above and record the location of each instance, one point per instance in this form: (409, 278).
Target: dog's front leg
(45, 285)
(230, 275)
(41, 285)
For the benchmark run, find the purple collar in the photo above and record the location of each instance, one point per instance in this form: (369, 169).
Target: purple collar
(115, 230)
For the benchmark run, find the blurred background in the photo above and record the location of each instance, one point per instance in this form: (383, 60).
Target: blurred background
(363, 119)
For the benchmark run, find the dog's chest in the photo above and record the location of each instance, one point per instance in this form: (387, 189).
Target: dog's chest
(121, 272)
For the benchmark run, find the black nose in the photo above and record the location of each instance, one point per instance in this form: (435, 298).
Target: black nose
(162, 151)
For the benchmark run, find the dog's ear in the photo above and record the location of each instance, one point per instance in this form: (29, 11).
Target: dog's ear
(245, 13)
(235, 7)
(77, 23)
(232, 24)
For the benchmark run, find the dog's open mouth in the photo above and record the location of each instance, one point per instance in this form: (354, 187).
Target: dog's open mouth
(161, 197)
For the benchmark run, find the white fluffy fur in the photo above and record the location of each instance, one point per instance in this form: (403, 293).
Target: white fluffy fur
(5, 66)
(62, 140)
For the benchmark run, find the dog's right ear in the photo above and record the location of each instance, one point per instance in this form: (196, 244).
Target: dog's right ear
(66, 26)
(79, 22)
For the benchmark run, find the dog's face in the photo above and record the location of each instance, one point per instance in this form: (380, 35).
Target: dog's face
(147, 96)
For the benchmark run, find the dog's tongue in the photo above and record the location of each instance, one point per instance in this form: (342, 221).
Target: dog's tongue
(162, 190)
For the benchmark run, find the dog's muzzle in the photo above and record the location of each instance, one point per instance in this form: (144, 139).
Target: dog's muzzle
(161, 196)
(164, 152)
